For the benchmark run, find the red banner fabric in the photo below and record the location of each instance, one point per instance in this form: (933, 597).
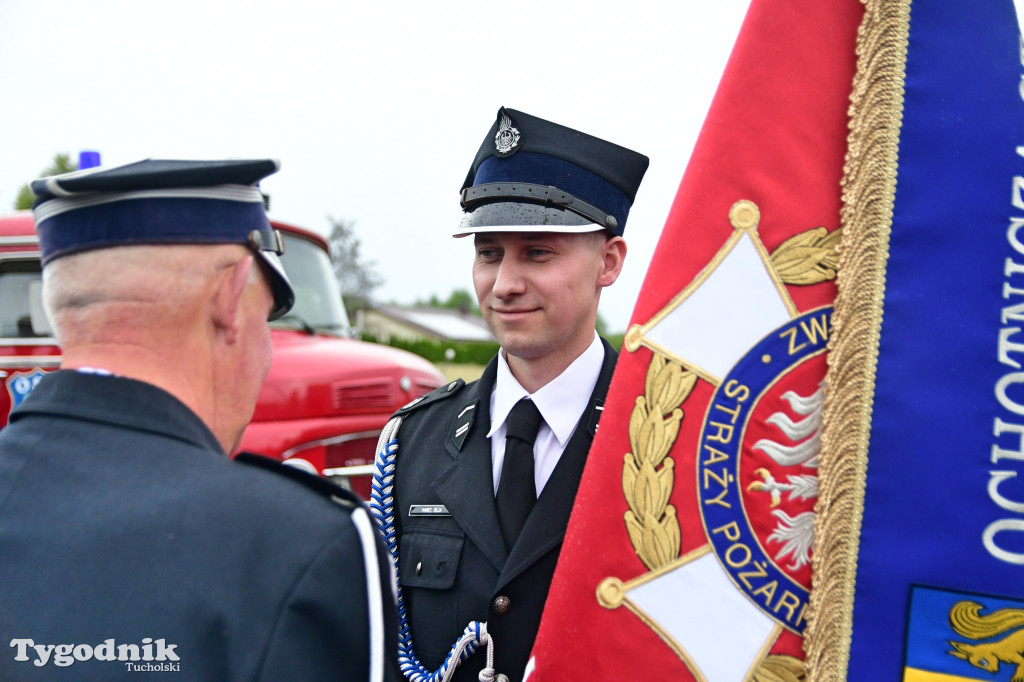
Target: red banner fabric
(736, 298)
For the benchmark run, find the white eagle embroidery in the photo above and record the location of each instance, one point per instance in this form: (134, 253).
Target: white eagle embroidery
(796, 533)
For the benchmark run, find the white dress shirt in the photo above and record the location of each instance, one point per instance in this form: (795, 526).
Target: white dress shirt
(561, 402)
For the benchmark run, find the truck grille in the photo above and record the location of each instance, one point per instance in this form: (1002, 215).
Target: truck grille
(365, 396)
(422, 386)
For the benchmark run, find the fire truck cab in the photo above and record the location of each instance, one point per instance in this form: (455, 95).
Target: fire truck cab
(327, 395)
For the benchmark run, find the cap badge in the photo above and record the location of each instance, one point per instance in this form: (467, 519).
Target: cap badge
(507, 137)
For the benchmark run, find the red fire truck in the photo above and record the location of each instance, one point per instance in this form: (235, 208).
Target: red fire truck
(326, 398)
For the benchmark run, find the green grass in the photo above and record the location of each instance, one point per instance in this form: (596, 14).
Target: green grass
(454, 370)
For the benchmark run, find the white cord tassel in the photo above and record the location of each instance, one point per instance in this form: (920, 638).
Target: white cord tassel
(487, 674)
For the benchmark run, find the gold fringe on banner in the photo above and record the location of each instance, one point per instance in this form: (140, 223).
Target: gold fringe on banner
(868, 191)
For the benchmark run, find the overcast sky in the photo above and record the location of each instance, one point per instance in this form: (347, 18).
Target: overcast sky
(375, 109)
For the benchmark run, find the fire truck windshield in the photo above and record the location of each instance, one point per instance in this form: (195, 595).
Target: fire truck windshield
(317, 298)
(21, 306)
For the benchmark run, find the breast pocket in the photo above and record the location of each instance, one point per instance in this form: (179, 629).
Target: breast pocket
(428, 566)
(430, 559)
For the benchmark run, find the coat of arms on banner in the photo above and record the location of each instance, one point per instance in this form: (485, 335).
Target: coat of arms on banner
(954, 635)
(755, 467)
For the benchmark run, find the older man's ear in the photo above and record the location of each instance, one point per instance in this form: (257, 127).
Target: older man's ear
(227, 298)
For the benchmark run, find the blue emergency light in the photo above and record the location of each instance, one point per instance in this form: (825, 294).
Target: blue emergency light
(88, 159)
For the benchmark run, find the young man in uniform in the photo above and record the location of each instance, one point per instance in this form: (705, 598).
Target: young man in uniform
(129, 541)
(486, 473)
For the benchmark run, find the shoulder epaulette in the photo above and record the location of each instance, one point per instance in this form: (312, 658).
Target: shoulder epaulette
(434, 396)
(333, 491)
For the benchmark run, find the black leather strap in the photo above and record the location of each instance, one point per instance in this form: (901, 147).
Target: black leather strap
(541, 194)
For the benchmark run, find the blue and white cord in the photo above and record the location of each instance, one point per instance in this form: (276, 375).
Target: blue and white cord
(382, 507)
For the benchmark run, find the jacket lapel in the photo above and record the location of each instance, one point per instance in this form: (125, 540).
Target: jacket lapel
(546, 525)
(466, 485)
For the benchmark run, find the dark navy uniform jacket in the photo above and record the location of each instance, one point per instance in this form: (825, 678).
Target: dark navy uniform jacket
(122, 519)
(454, 568)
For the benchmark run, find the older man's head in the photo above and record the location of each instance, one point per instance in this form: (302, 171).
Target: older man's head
(166, 272)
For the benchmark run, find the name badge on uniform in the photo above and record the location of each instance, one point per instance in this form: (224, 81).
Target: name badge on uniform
(429, 510)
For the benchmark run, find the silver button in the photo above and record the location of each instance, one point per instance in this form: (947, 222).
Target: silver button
(419, 567)
(501, 605)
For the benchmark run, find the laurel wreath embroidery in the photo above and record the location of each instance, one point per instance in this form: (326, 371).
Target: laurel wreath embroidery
(647, 476)
(809, 257)
(780, 668)
(651, 520)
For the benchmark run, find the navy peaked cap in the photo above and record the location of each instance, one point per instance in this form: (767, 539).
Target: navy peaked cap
(534, 175)
(162, 201)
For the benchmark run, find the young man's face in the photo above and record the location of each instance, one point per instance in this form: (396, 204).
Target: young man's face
(538, 291)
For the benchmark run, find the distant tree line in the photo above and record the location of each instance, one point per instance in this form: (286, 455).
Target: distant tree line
(460, 300)
(62, 163)
(357, 278)
(462, 352)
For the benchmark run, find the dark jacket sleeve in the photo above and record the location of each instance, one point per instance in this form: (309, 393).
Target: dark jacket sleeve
(326, 628)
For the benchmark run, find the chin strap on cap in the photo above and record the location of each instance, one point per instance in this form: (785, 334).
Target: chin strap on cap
(541, 194)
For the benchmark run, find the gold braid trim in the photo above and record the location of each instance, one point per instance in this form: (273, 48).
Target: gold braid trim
(868, 192)
(653, 427)
(809, 257)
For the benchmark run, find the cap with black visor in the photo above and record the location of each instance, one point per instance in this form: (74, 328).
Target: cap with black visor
(162, 201)
(532, 175)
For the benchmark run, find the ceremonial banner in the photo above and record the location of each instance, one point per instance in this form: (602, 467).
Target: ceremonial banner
(688, 553)
(919, 567)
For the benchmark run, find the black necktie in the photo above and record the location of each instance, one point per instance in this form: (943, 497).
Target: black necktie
(516, 489)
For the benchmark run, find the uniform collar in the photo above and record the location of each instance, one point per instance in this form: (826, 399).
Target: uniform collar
(118, 401)
(561, 401)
